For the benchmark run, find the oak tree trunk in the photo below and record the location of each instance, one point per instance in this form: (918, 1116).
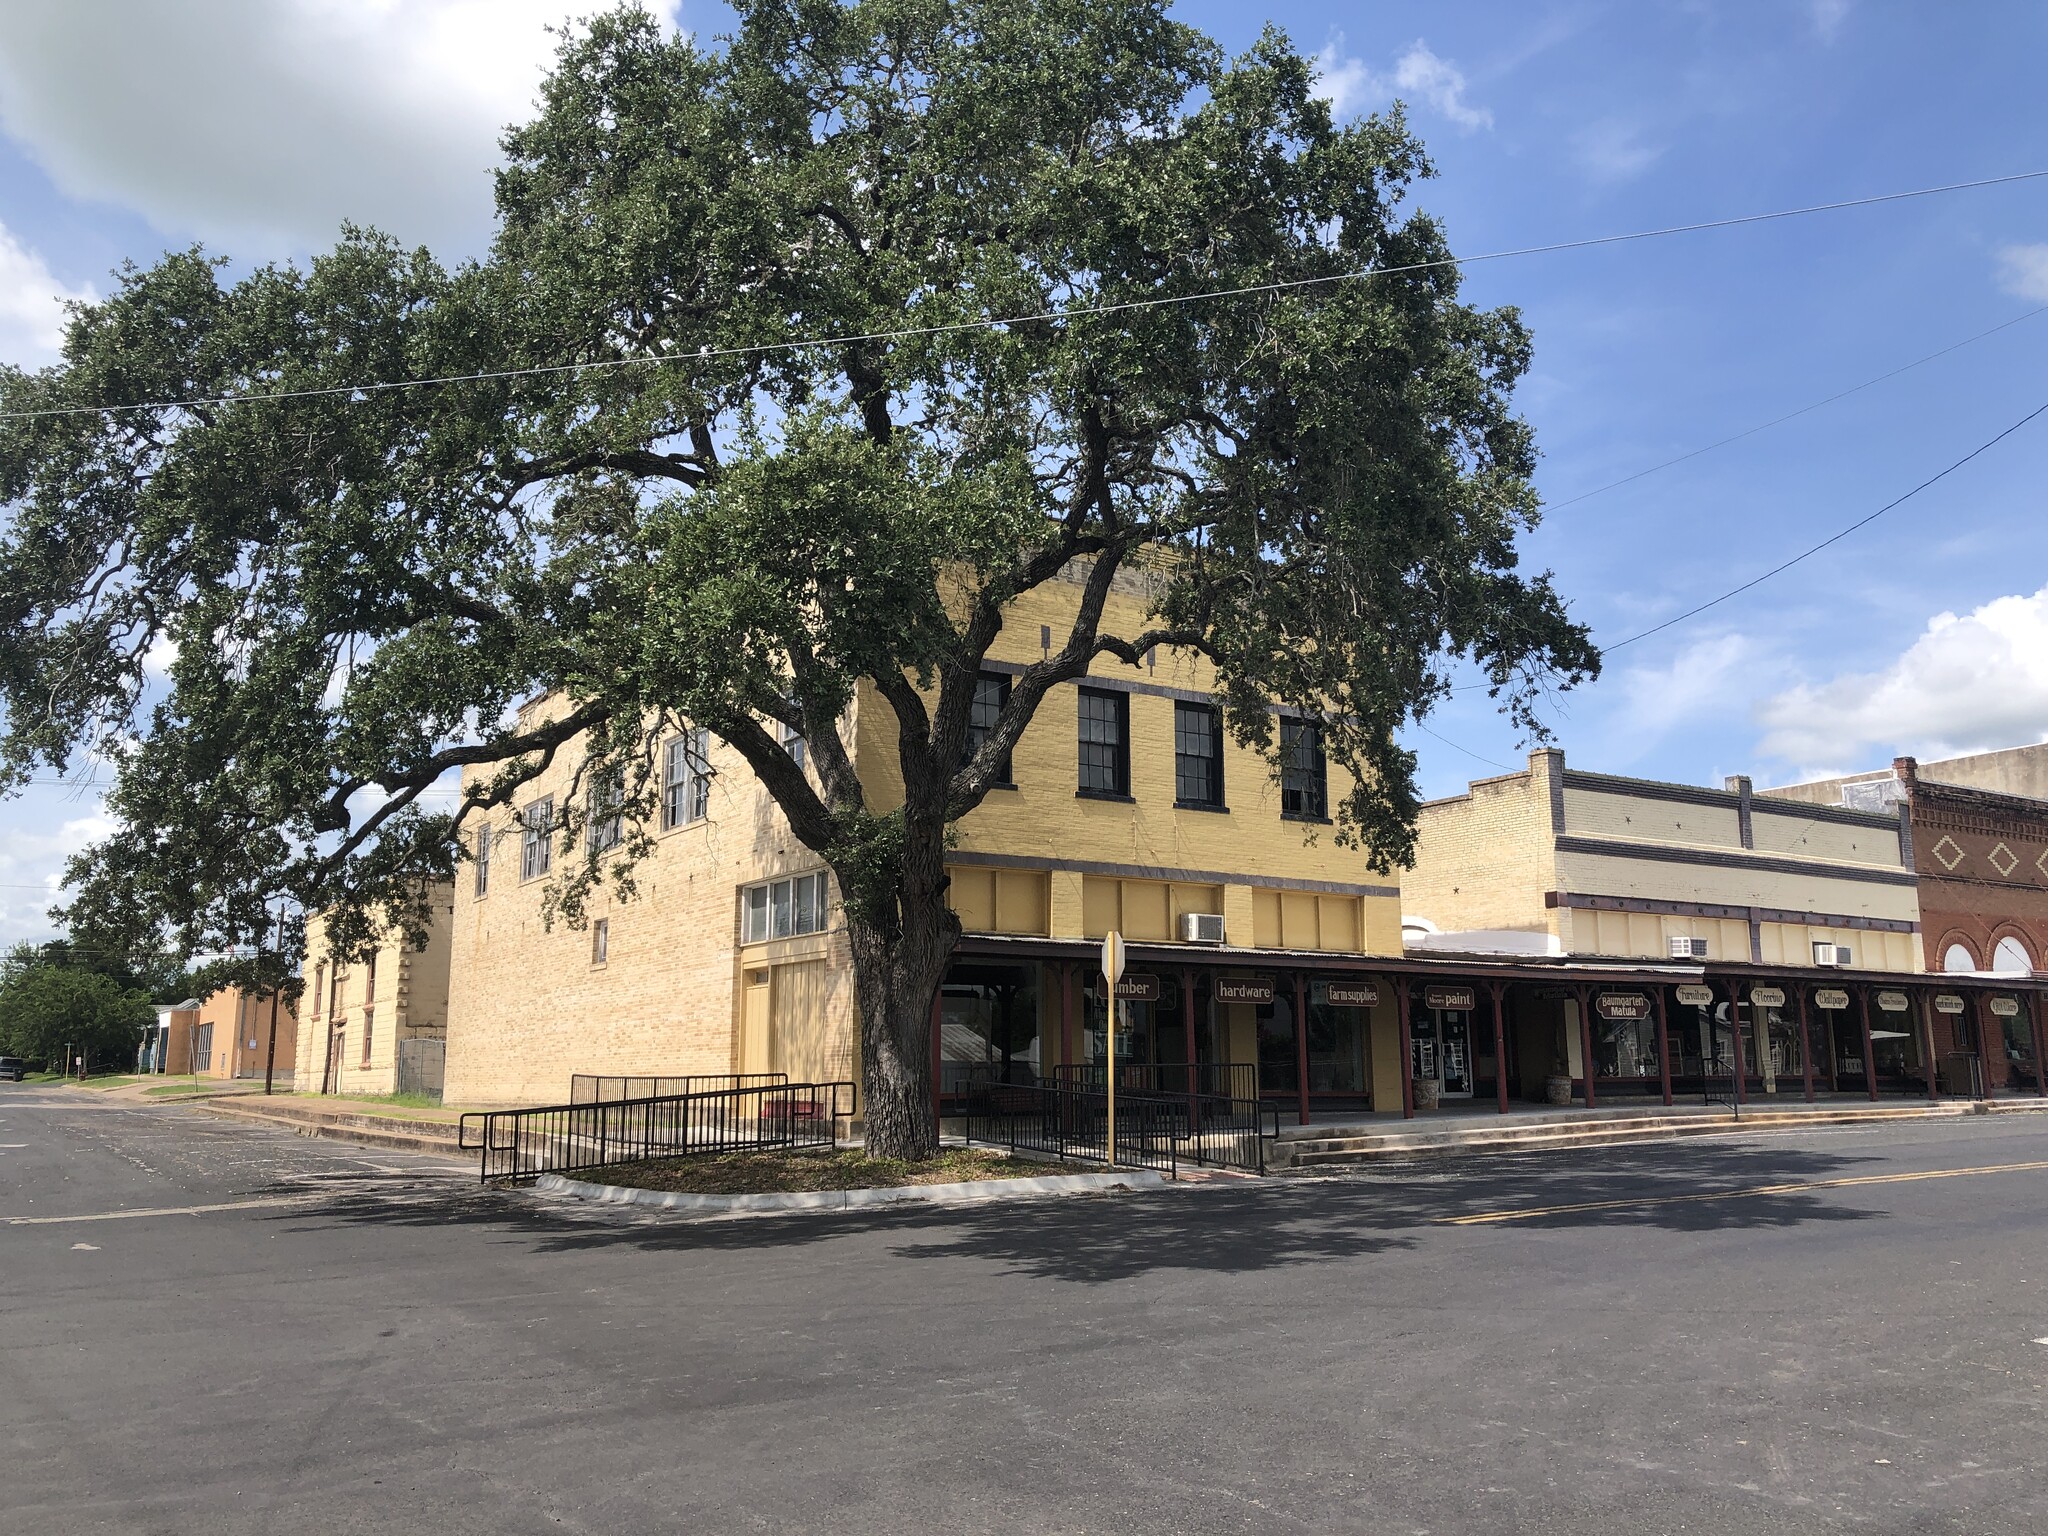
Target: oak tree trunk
(897, 969)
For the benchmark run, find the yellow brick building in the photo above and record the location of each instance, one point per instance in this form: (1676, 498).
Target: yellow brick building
(1127, 807)
(359, 1015)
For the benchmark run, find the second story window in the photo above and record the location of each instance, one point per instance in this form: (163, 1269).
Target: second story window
(536, 846)
(1105, 742)
(319, 988)
(783, 909)
(370, 978)
(991, 693)
(793, 744)
(1304, 775)
(602, 811)
(483, 861)
(1198, 755)
(685, 780)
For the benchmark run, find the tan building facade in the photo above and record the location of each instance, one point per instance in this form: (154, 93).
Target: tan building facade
(1560, 862)
(371, 1023)
(227, 1034)
(1127, 807)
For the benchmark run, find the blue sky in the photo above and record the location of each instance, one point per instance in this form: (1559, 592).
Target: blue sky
(128, 127)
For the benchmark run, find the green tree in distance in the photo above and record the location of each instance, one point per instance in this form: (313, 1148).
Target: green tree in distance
(776, 450)
(47, 1005)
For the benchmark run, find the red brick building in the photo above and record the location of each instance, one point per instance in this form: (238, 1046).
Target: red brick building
(1982, 856)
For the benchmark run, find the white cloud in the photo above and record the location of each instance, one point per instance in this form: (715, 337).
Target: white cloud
(33, 855)
(2023, 270)
(264, 123)
(31, 305)
(1418, 75)
(1707, 674)
(1969, 683)
(1828, 16)
(1613, 150)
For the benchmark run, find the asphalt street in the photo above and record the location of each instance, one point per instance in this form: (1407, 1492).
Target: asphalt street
(208, 1326)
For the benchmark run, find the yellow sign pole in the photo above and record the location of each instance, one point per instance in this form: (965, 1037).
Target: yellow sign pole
(1113, 972)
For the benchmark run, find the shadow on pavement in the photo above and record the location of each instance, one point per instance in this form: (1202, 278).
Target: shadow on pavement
(1236, 1228)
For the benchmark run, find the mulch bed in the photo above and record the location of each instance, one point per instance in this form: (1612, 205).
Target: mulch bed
(763, 1173)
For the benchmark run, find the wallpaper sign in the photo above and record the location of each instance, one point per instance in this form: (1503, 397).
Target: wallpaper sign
(1832, 999)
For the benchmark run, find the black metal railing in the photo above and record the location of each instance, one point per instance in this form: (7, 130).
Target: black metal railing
(1718, 1085)
(591, 1088)
(521, 1144)
(1068, 1118)
(1237, 1081)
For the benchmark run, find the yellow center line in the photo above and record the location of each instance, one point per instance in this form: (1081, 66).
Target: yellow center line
(167, 1210)
(1481, 1218)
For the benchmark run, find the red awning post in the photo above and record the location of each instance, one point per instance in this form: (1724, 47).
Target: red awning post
(1499, 989)
(1984, 1018)
(1066, 986)
(2040, 1036)
(1301, 1044)
(938, 1013)
(1869, 1060)
(1585, 997)
(1927, 1043)
(1735, 1034)
(1407, 1049)
(1663, 1044)
(1805, 1042)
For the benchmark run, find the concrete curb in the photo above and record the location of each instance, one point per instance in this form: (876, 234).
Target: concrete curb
(973, 1192)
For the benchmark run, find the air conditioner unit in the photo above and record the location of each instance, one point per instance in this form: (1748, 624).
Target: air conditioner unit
(1201, 927)
(1688, 949)
(1831, 954)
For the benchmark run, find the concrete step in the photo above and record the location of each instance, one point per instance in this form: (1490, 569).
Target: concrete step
(389, 1131)
(1590, 1131)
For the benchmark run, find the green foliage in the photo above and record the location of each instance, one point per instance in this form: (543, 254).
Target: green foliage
(47, 1005)
(774, 453)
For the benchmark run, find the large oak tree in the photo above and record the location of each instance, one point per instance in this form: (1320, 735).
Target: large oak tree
(795, 360)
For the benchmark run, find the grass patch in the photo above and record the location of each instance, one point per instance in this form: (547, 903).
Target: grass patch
(766, 1173)
(369, 1101)
(175, 1090)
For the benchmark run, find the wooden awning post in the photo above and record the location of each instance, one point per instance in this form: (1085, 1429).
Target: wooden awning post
(1301, 1045)
(1407, 1049)
(1869, 1059)
(1735, 1037)
(1585, 999)
(1499, 989)
(1663, 1043)
(1927, 1043)
(1805, 1042)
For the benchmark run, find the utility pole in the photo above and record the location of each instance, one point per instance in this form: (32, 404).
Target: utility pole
(270, 1061)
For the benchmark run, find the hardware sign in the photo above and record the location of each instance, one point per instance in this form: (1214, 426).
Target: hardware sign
(1244, 989)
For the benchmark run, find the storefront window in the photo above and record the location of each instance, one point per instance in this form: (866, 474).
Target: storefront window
(1336, 1047)
(1278, 1072)
(2017, 1031)
(1781, 1030)
(988, 1026)
(1625, 1047)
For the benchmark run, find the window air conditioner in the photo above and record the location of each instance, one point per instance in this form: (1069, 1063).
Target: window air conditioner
(1688, 949)
(1831, 954)
(1201, 927)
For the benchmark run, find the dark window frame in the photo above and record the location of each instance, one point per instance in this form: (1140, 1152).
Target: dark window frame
(1100, 759)
(685, 796)
(1304, 785)
(1192, 723)
(537, 839)
(485, 835)
(981, 721)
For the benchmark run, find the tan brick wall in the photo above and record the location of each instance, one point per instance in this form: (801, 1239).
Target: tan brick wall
(1645, 819)
(409, 1001)
(240, 1042)
(1785, 830)
(1485, 859)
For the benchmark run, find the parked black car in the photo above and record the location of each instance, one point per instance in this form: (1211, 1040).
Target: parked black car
(11, 1068)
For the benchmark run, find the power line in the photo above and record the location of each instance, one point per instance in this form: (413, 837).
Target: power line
(1778, 421)
(1508, 767)
(1127, 306)
(1833, 538)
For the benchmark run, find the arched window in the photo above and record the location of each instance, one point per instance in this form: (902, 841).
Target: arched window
(1957, 957)
(2011, 955)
